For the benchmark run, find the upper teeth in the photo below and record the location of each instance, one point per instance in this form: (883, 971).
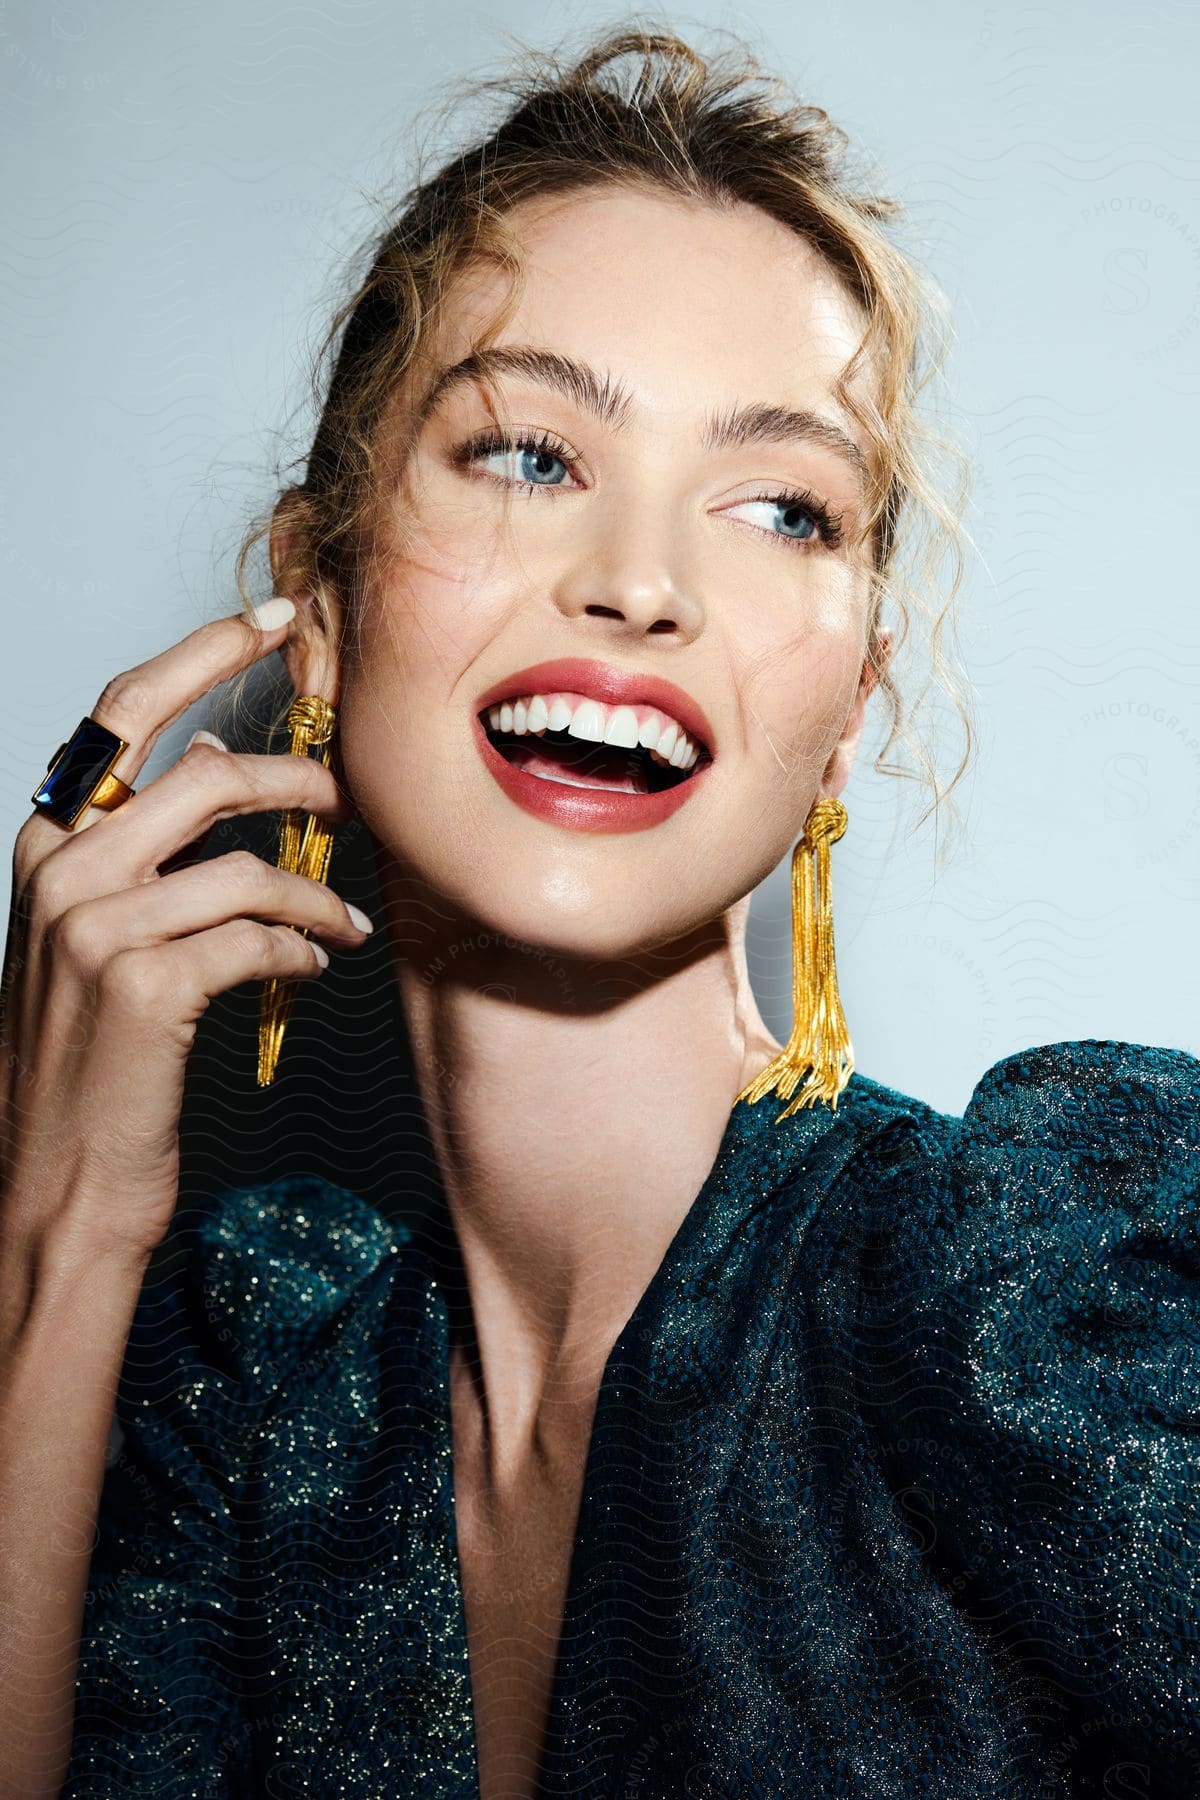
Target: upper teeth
(582, 717)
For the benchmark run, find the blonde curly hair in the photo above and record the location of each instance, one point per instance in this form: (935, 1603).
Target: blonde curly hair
(646, 107)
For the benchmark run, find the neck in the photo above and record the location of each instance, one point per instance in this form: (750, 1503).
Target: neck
(575, 1107)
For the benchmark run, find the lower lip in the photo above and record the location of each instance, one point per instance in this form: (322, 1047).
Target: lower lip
(580, 808)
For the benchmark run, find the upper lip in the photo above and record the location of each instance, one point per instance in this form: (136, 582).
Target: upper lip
(603, 681)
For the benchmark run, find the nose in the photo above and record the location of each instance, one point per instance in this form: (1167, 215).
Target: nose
(630, 575)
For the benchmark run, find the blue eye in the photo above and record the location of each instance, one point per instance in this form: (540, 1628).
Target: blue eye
(535, 458)
(796, 521)
(796, 518)
(800, 516)
(534, 466)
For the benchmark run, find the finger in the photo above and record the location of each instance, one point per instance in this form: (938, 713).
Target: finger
(206, 786)
(247, 950)
(193, 970)
(141, 702)
(182, 803)
(239, 885)
(191, 853)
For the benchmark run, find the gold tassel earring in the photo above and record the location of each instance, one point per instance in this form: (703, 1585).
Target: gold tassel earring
(304, 849)
(819, 1049)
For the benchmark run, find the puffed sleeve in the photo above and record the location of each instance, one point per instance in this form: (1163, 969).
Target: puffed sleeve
(167, 1638)
(1042, 1387)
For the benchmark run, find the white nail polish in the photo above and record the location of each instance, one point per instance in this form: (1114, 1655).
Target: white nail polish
(270, 613)
(206, 737)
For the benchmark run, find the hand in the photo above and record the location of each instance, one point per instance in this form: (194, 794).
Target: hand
(110, 961)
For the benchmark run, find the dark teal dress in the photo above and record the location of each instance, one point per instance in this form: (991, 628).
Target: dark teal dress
(893, 1488)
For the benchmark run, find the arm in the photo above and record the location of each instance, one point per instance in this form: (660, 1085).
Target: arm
(63, 1326)
(108, 965)
(119, 1538)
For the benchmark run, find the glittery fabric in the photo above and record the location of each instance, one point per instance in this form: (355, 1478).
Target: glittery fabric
(892, 1487)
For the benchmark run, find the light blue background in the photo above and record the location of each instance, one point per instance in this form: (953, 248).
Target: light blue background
(183, 186)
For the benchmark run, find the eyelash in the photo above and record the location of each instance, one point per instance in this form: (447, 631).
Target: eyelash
(828, 523)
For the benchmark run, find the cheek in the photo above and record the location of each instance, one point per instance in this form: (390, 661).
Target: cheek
(446, 564)
(436, 600)
(802, 679)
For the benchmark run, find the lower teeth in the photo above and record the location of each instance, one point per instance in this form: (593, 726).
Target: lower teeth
(596, 787)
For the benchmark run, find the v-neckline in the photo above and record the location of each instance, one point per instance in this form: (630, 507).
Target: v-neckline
(749, 1165)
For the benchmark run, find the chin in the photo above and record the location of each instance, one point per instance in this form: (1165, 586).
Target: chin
(572, 916)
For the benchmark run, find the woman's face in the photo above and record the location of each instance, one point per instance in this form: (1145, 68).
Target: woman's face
(632, 541)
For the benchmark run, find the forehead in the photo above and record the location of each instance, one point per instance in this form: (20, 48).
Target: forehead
(686, 303)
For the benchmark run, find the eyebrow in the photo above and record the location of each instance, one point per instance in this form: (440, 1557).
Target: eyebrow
(612, 405)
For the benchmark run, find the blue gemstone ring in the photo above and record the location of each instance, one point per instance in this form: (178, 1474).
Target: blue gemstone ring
(79, 775)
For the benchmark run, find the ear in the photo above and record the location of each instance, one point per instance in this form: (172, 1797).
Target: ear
(844, 752)
(310, 651)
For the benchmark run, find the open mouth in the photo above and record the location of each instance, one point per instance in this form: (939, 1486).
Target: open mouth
(555, 755)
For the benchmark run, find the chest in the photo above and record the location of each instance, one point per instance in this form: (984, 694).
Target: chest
(514, 1557)
(514, 1591)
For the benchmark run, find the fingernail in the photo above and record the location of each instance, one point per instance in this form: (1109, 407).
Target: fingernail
(320, 952)
(270, 613)
(357, 917)
(205, 737)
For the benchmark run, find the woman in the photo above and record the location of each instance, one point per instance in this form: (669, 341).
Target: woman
(695, 1445)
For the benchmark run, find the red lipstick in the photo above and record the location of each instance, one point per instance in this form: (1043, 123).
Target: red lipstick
(585, 808)
(605, 682)
(597, 808)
